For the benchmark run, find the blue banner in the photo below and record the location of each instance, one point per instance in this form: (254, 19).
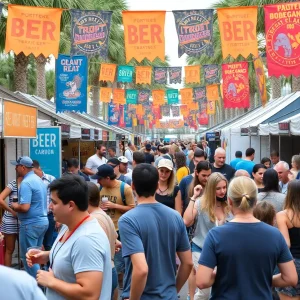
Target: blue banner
(125, 73)
(127, 116)
(172, 96)
(71, 83)
(113, 114)
(160, 75)
(46, 149)
(131, 96)
(211, 74)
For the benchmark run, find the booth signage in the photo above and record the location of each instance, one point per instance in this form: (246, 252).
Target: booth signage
(244, 131)
(85, 134)
(96, 134)
(284, 127)
(104, 135)
(253, 131)
(65, 131)
(213, 136)
(19, 120)
(46, 149)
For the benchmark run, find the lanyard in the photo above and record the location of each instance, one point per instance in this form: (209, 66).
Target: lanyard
(71, 233)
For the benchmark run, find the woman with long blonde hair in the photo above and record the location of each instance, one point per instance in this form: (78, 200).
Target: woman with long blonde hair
(209, 211)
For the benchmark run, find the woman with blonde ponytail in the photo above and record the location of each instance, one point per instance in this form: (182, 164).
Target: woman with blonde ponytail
(238, 258)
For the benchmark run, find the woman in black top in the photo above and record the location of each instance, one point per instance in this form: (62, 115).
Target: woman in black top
(288, 222)
(167, 192)
(258, 174)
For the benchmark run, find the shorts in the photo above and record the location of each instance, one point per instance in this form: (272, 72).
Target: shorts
(290, 290)
(114, 281)
(119, 262)
(196, 251)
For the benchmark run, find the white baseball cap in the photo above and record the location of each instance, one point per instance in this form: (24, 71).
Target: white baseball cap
(123, 159)
(165, 163)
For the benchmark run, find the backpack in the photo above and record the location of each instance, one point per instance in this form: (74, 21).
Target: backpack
(122, 191)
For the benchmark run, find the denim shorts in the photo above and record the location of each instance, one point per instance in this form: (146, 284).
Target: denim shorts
(290, 290)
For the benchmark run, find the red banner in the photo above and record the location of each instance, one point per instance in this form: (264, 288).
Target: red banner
(282, 27)
(203, 116)
(236, 92)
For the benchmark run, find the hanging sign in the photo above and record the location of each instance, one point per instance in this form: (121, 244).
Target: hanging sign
(175, 111)
(238, 31)
(85, 134)
(203, 116)
(125, 74)
(199, 93)
(127, 117)
(156, 112)
(282, 27)
(90, 32)
(211, 107)
(65, 131)
(192, 74)
(184, 110)
(71, 83)
(31, 29)
(211, 74)
(261, 80)
(105, 94)
(160, 75)
(121, 118)
(172, 96)
(236, 90)
(212, 92)
(186, 95)
(158, 97)
(131, 96)
(165, 110)
(143, 74)
(119, 96)
(113, 114)
(195, 32)
(144, 34)
(143, 96)
(108, 72)
(175, 74)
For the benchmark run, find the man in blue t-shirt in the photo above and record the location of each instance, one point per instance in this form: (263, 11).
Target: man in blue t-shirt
(247, 164)
(152, 234)
(238, 158)
(31, 209)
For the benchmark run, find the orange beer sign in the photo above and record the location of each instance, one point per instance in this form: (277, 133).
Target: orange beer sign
(19, 120)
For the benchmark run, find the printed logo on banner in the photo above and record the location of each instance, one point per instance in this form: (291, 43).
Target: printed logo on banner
(199, 93)
(121, 118)
(143, 96)
(113, 114)
(125, 73)
(127, 116)
(160, 75)
(131, 96)
(175, 111)
(90, 32)
(172, 96)
(165, 110)
(175, 74)
(211, 74)
(71, 83)
(195, 32)
(261, 80)
(283, 39)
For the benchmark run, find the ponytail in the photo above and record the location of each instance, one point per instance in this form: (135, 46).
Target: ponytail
(245, 206)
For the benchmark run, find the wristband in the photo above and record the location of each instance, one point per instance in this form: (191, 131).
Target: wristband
(192, 200)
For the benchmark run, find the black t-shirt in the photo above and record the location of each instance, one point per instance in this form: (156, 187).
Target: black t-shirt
(149, 158)
(226, 170)
(168, 200)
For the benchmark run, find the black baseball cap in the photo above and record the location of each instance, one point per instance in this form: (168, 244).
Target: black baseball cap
(103, 172)
(113, 162)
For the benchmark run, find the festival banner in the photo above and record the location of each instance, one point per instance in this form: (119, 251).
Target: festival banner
(186, 95)
(211, 74)
(160, 75)
(90, 32)
(143, 74)
(148, 109)
(144, 33)
(125, 74)
(140, 110)
(172, 96)
(199, 93)
(211, 107)
(212, 92)
(238, 31)
(144, 96)
(156, 112)
(184, 110)
(108, 72)
(175, 111)
(131, 96)
(105, 94)
(71, 83)
(175, 74)
(121, 117)
(192, 74)
(236, 85)
(113, 114)
(193, 107)
(119, 96)
(195, 32)
(33, 30)
(203, 116)
(134, 122)
(165, 110)
(282, 28)
(157, 124)
(261, 80)
(158, 97)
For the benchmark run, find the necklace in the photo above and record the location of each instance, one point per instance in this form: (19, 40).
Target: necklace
(161, 192)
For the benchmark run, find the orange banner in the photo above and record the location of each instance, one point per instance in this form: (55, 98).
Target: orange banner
(144, 33)
(211, 107)
(157, 124)
(238, 31)
(186, 95)
(192, 74)
(108, 72)
(184, 110)
(119, 96)
(261, 80)
(33, 30)
(140, 110)
(143, 74)
(105, 94)
(158, 97)
(19, 120)
(212, 92)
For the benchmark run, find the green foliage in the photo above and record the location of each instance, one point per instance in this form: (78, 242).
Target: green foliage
(50, 83)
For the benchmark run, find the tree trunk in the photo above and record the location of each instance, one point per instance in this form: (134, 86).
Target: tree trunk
(21, 62)
(295, 84)
(41, 61)
(276, 87)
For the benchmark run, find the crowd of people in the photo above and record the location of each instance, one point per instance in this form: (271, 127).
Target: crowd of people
(151, 219)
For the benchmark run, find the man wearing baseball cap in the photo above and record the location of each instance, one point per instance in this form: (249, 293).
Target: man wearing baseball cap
(31, 209)
(124, 167)
(115, 163)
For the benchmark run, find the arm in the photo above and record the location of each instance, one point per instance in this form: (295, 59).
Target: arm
(281, 220)
(184, 269)
(287, 277)
(88, 167)
(178, 203)
(25, 199)
(5, 193)
(190, 214)
(88, 171)
(205, 277)
(139, 275)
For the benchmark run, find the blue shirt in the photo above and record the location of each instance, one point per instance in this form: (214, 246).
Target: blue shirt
(245, 255)
(246, 165)
(159, 232)
(125, 179)
(184, 190)
(33, 191)
(234, 162)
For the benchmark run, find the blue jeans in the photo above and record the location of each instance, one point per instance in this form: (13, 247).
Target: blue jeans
(32, 235)
(114, 281)
(48, 238)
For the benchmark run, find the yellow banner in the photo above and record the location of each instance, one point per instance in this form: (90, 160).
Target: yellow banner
(184, 110)
(33, 30)
(261, 80)
(144, 34)
(143, 74)
(108, 72)
(19, 120)
(158, 97)
(211, 107)
(119, 96)
(186, 95)
(212, 92)
(192, 74)
(238, 31)
(105, 94)
(134, 121)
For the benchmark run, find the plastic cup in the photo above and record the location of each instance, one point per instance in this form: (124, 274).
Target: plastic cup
(33, 251)
(104, 200)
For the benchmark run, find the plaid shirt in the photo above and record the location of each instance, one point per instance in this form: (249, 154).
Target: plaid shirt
(47, 179)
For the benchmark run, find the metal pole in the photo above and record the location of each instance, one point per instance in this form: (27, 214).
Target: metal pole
(18, 228)
(79, 152)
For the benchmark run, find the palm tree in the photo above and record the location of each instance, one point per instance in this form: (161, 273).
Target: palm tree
(50, 84)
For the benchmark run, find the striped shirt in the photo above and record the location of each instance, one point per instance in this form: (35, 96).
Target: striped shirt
(47, 179)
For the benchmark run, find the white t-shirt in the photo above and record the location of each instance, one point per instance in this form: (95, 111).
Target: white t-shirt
(129, 173)
(86, 250)
(94, 162)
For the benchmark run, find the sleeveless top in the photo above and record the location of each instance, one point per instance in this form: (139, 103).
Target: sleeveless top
(294, 234)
